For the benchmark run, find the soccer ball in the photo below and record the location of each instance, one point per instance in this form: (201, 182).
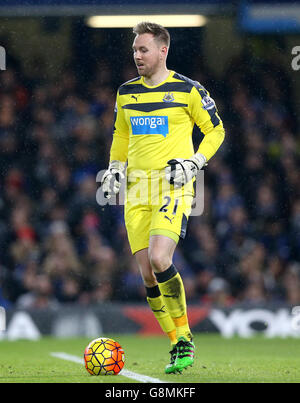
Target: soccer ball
(104, 356)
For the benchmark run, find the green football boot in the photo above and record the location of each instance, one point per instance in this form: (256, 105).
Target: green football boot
(185, 354)
(170, 368)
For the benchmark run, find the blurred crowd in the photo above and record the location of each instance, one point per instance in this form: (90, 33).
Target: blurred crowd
(59, 246)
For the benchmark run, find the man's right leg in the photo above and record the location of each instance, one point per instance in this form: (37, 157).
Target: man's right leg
(154, 297)
(158, 306)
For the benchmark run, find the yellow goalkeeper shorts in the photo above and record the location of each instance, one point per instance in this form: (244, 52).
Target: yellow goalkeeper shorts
(154, 207)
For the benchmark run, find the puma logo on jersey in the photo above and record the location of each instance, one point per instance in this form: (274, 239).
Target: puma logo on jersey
(135, 97)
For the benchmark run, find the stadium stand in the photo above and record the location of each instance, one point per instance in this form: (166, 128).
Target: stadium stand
(59, 246)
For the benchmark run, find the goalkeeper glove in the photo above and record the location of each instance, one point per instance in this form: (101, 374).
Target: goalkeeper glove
(180, 171)
(111, 180)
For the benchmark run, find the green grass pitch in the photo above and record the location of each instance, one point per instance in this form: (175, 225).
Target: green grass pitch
(218, 360)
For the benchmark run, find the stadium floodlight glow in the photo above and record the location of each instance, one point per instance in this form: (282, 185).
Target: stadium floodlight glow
(129, 21)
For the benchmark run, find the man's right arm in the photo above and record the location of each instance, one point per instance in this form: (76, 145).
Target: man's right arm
(111, 180)
(119, 147)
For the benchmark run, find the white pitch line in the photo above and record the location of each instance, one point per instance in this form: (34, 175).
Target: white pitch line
(124, 372)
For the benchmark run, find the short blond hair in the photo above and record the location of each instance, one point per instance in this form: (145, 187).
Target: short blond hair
(160, 33)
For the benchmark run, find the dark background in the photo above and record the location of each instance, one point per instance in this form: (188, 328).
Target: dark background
(56, 112)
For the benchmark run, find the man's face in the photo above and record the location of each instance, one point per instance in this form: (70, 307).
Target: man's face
(148, 55)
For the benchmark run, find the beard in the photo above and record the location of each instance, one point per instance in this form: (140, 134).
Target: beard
(148, 71)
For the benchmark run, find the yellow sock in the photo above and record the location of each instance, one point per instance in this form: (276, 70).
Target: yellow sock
(182, 327)
(172, 289)
(161, 314)
(173, 336)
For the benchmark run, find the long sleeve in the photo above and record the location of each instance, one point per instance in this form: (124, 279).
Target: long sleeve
(119, 147)
(205, 114)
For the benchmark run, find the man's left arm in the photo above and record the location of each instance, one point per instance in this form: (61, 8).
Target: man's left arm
(205, 114)
(203, 111)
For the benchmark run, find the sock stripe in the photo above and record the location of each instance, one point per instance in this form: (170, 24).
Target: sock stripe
(167, 274)
(181, 321)
(153, 292)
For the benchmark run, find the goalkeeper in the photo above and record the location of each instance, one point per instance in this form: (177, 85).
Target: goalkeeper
(154, 118)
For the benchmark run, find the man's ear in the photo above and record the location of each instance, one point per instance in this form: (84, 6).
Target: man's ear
(164, 51)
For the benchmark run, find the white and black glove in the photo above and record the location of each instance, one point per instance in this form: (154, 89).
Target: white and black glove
(180, 171)
(111, 180)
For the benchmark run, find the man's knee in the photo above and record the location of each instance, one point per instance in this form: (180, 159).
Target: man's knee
(149, 279)
(159, 260)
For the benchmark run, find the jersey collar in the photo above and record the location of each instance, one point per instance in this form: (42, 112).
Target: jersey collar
(158, 85)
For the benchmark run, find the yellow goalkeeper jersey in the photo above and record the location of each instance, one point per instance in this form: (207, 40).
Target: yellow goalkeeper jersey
(154, 124)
